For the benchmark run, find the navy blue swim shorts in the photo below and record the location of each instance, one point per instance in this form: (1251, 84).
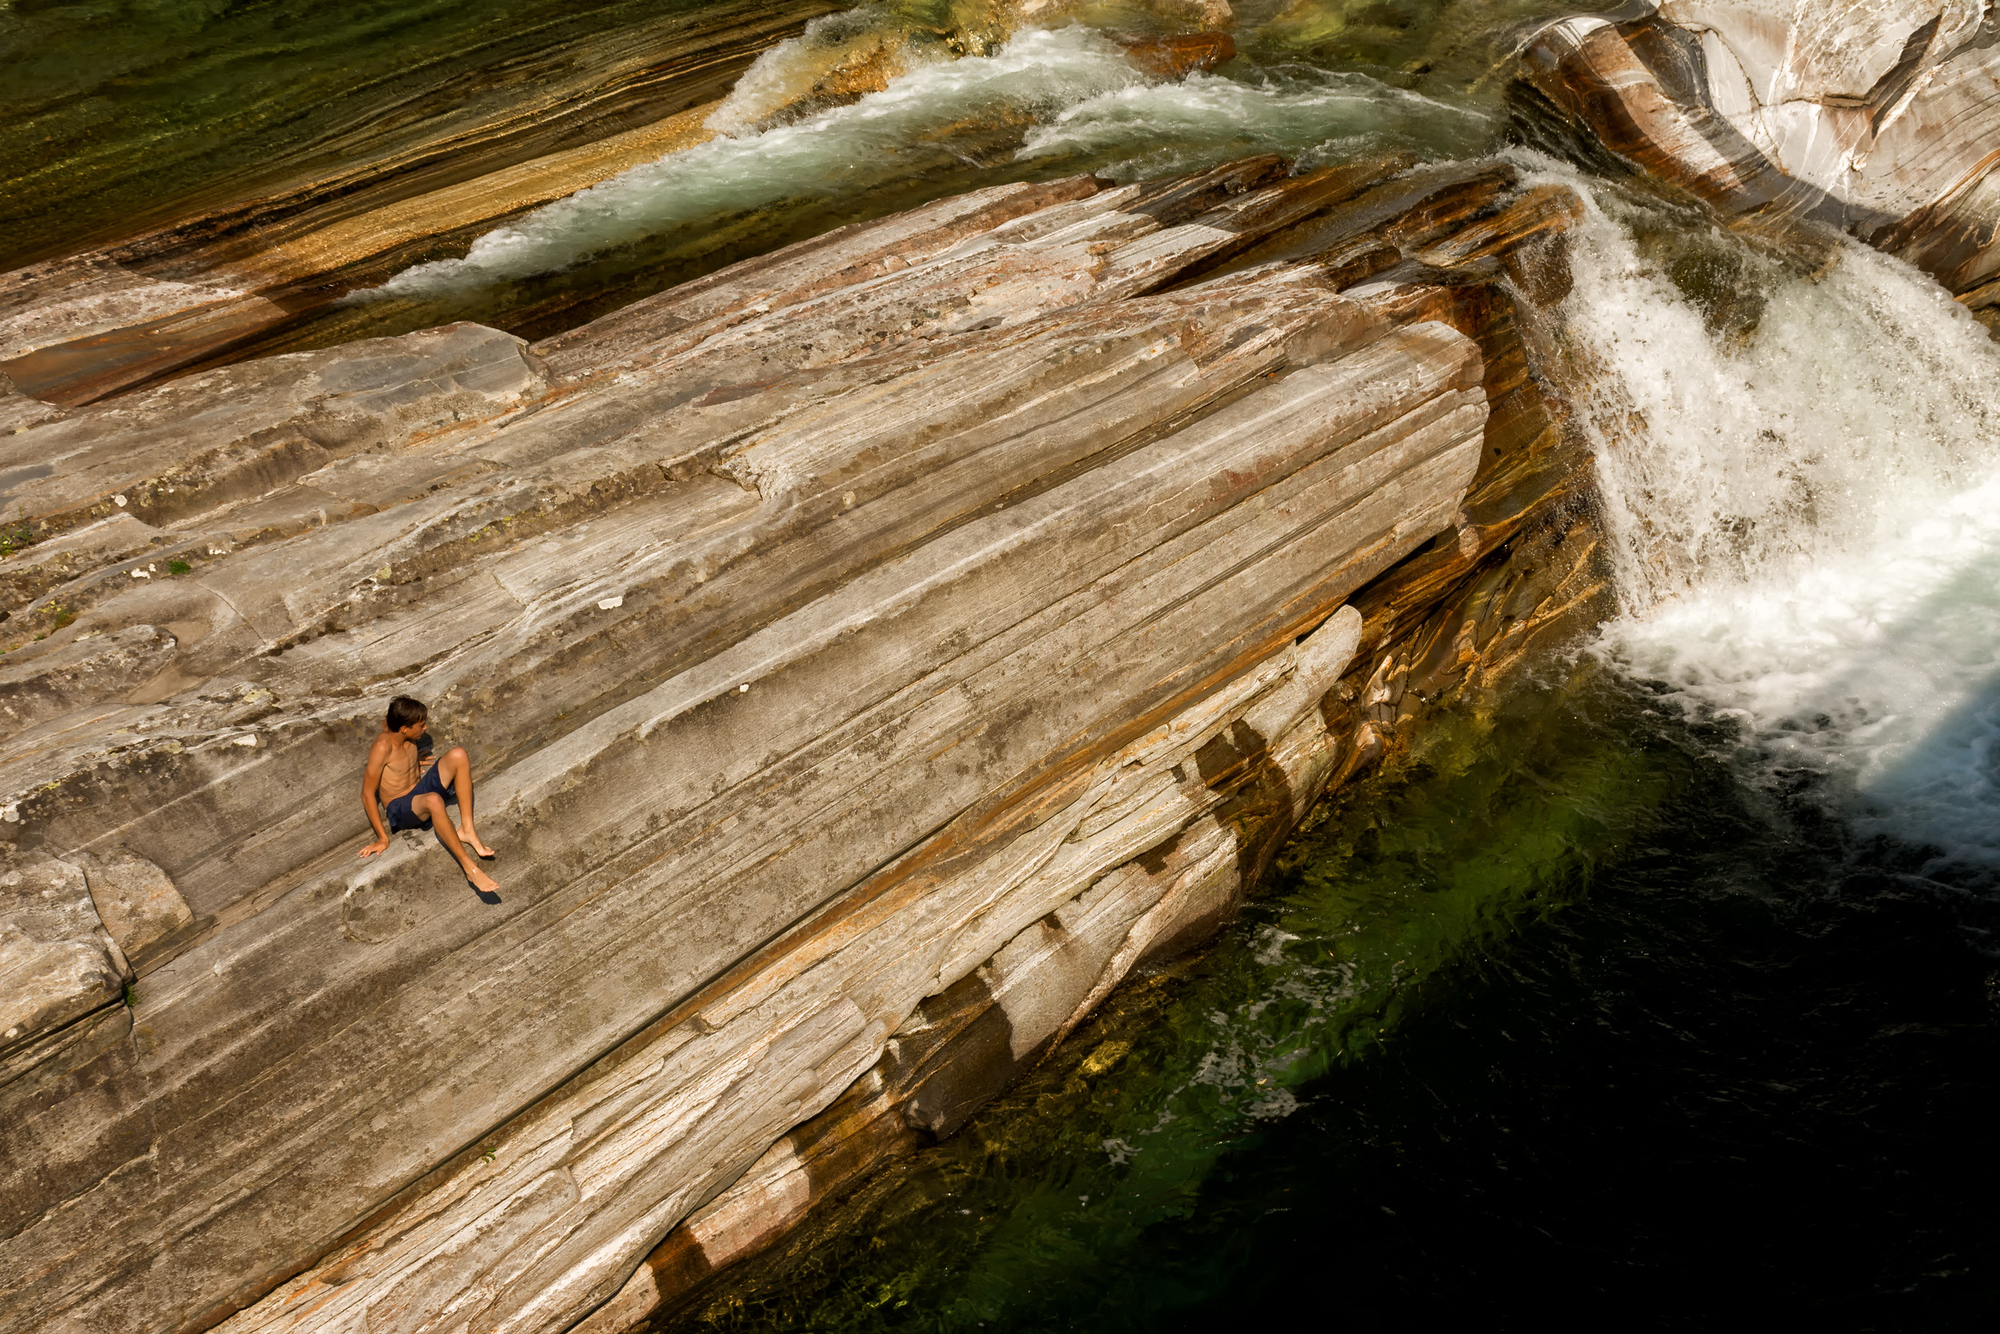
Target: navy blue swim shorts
(400, 815)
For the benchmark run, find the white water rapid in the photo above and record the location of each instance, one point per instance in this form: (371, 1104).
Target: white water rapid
(1070, 98)
(1806, 526)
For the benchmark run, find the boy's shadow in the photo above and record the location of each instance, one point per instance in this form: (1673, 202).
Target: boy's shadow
(485, 896)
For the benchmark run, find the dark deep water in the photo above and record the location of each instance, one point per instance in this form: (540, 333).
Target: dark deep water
(1583, 1024)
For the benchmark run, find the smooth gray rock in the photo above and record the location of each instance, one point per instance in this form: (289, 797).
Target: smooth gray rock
(135, 900)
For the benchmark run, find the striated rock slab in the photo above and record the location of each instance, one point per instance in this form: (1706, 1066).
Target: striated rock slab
(1202, 802)
(1519, 566)
(1879, 118)
(869, 654)
(82, 328)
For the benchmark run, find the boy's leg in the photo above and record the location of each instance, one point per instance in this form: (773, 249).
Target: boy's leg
(431, 805)
(455, 772)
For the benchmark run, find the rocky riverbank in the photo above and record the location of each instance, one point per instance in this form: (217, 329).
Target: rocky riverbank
(244, 280)
(871, 654)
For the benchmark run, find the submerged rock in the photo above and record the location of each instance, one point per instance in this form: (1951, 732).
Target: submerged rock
(1878, 119)
(1183, 54)
(869, 654)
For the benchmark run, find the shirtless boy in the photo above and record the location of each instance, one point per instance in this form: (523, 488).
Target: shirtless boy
(398, 784)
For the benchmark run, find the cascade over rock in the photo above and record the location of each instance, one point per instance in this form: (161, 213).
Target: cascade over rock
(869, 654)
(1881, 118)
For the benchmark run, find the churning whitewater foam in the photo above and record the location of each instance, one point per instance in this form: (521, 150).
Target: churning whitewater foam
(1071, 95)
(1312, 116)
(839, 150)
(1806, 524)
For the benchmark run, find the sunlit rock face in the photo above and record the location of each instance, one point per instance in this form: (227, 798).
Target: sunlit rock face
(228, 283)
(869, 654)
(1881, 117)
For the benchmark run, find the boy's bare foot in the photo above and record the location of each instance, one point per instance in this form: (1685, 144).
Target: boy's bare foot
(481, 881)
(471, 840)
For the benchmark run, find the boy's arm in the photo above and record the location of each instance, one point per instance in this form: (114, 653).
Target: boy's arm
(371, 784)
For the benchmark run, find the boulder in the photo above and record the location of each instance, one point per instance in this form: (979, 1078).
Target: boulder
(56, 963)
(136, 901)
(1182, 54)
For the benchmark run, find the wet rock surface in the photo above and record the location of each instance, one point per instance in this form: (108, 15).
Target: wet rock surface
(391, 188)
(869, 655)
(1879, 119)
(236, 281)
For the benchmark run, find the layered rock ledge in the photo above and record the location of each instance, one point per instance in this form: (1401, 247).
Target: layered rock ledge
(870, 654)
(234, 281)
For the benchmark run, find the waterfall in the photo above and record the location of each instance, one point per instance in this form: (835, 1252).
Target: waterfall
(1799, 466)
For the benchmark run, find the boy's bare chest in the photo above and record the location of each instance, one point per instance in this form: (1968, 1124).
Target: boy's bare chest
(399, 771)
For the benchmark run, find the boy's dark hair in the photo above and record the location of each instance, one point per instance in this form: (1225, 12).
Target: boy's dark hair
(406, 712)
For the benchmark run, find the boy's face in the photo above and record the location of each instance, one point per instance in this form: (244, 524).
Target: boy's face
(414, 730)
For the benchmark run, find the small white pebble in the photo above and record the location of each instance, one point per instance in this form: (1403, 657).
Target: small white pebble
(740, 689)
(119, 501)
(216, 969)
(611, 604)
(246, 740)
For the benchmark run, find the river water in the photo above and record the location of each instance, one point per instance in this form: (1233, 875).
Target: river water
(1661, 991)
(1040, 105)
